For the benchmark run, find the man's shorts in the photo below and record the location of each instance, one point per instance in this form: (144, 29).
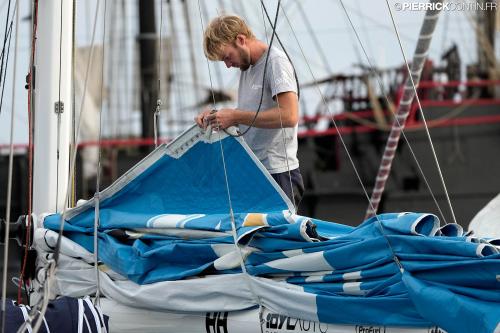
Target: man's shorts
(283, 180)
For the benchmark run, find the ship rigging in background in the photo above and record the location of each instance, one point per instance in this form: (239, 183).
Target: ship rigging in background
(162, 41)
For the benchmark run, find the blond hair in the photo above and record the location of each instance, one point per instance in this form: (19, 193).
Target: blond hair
(221, 31)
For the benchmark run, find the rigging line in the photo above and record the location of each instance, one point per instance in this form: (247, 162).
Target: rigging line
(46, 298)
(156, 116)
(72, 202)
(239, 7)
(363, 26)
(97, 195)
(53, 262)
(208, 63)
(309, 28)
(263, 8)
(235, 239)
(59, 109)
(34, 313)
(445, 33)
(5, 40)
(82, 103)
(218, 74)
(126, 60)
(231, 212)
(383, 91)
(179, 92)
(381, 25)
(3, 76)
(263, 78)
(3, 5)
(410, 76)
(221, 6)
(354, 45)
(379, 223)
(466, 46)
(114, 110)
(31, 96)
(10, 175)
(456, 111)
(487, 48)
(3, 79)
(284, 50)
(194, 71)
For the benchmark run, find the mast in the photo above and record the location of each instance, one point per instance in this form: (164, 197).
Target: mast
(52, 105)
(149, 76)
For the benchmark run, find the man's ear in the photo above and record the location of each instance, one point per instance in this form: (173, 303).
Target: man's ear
(241, 39)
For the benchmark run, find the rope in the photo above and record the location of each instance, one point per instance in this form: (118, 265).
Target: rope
(385, 167)
(179, 92)
(218, 74)
(6, 35)
(125, 60)
(315, 39)
(30, 142)
(98, 176)
(396, 120)
(82, 109)
(379, 223)
(192, 47)
(73, 146)
(9, 177)
(59, 108)
(158, 102)
(485, 44)
(50, 270)
(3, 75)
(263, 77)
(263, 8)
(231, 213)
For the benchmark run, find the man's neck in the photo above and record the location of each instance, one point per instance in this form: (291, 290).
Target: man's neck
(257, 49)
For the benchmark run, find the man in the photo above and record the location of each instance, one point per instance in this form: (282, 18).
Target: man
(273, 133)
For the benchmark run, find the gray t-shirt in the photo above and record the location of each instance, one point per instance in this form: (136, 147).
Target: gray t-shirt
(268, 144)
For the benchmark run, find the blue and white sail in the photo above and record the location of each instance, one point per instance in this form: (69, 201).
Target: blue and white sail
(167, 240)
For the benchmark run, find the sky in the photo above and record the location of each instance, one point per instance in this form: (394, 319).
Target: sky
(334, 41)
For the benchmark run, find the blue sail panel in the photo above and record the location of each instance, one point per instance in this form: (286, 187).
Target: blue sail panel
(169, 219)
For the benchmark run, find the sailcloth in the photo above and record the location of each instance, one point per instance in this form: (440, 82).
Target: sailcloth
(166, 231)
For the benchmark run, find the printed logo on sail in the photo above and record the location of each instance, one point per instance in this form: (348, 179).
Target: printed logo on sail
(216, 322)
(276, 323)
(370, 329)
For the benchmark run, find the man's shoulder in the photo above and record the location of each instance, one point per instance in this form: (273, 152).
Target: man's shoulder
(276, 53)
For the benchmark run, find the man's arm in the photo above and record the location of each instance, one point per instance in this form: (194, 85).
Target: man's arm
(285, 114)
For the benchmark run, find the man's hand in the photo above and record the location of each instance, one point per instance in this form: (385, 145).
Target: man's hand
(222, 119)
(202, 119)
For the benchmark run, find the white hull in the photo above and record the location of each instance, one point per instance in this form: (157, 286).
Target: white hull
(128, 319)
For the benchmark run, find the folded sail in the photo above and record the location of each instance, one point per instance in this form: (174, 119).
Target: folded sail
(166, 232)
